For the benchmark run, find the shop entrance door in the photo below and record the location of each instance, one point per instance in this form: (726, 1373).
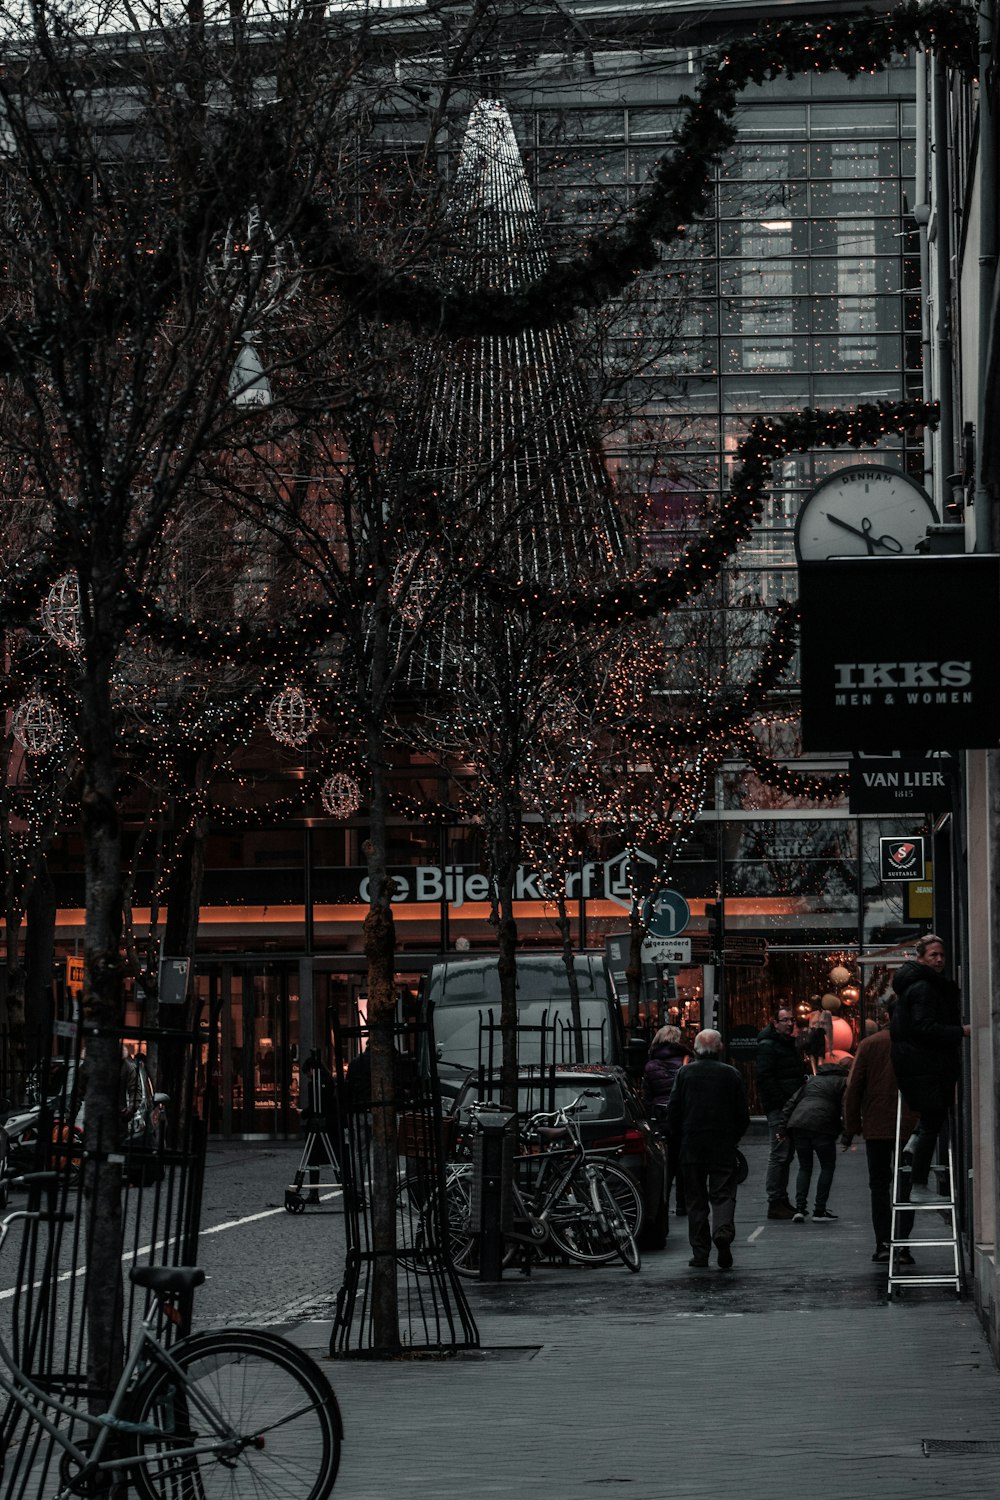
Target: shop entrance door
(264, 1050)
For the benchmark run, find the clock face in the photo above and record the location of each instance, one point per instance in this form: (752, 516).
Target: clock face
(863, 511)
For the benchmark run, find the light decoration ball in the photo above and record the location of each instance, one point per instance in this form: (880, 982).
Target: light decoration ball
(839, 975)
(292, 717)
(256, 274)
(560, 717)
(831, 1003)
(38, 725)
(340, 795)
(416, 582)
(61, 616)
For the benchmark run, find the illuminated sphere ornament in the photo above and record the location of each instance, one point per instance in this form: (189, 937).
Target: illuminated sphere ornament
(831, 1003)
(839, 975)
(416, 582)
(38, 725)
(560, 718)
(255, 273)
(60, 613)
(340, 795)
(292, 717)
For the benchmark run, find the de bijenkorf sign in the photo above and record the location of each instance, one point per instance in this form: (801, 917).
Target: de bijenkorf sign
(900, 653)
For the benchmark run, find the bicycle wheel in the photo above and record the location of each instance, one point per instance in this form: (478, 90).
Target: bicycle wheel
(284, 1428)
(626, 1193)
(609, 1209)
(575, 1228)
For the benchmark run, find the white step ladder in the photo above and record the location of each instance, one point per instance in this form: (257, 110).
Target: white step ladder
(942, 1205)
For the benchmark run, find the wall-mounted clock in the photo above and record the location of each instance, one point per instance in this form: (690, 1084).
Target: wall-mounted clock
(866, 510)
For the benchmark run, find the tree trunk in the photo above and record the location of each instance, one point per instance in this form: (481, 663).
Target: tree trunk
(506, 851)
(39, 951)
(380, 951)
(103, 1007)
(180, 940)
(566, 934)
(633, 972)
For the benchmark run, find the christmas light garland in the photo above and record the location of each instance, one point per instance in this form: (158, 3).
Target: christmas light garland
(702, 560)
(830, 788)
(677, 195)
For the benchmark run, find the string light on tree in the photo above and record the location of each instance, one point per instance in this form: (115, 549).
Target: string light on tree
(38, 725)
(340, 795)
(416, 583)
(292, 717)
(60, 614)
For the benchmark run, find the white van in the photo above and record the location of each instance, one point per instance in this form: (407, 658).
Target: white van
(465, 996)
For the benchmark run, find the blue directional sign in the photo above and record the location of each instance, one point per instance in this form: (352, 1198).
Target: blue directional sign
(666, 914)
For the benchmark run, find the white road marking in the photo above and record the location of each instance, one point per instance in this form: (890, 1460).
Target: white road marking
(267, 1213)
(759, 1230)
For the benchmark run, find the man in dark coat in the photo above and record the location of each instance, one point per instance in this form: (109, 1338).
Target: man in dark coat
(927, 1033)
(708, 1113)
(780, 1074)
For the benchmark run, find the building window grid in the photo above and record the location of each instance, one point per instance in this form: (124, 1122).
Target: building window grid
(865, 329)
(840, 208)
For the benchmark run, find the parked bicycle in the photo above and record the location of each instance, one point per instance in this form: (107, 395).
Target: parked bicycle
(222, 1413)
(565, 1198)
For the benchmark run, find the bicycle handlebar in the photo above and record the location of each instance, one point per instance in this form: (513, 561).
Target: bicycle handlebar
(36, 1179)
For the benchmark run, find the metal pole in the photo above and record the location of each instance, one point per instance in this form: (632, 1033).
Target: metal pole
(942, 283)
(722, 1020)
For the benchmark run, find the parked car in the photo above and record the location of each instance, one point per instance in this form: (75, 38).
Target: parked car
(614, 1119)
(144, 1111)
(464, 997)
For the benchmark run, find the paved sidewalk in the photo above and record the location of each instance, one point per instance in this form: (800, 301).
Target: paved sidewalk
(791, 1374)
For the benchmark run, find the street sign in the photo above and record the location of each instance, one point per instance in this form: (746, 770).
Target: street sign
(173, 980)
(666, 914)
(666, 950)
(74, 976)
(902, 859)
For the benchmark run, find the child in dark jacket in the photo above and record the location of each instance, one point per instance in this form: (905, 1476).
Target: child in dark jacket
(812, 1118)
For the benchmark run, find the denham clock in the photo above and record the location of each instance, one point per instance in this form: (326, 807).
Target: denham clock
(866, 510)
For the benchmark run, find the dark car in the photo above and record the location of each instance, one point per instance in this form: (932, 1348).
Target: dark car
(614, 1119)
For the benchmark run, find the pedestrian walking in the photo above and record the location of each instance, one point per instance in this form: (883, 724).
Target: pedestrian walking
(870, 1101)
(667, 1055)
(927, 1033)
(812, 1120)
(708, 1114)
(780, 1074)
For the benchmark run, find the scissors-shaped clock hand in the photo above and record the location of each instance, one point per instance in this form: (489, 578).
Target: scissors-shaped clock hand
(890, 543)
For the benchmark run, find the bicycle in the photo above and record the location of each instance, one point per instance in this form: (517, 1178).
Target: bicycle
(219, 1413)
(589, 1210)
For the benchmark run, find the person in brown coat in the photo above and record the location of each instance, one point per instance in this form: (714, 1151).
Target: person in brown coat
(870, 1110)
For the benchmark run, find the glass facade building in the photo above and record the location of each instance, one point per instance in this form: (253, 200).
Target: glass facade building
(800, 288)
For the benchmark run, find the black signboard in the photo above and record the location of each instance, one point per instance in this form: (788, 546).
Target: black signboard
(899, 653)
(902, 859)
(900, 786)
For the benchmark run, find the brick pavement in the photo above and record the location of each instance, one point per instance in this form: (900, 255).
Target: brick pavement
(792, 1373)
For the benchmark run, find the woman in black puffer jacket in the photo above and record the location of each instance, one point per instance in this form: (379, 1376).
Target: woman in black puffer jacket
(927, 1032)
(667, 1055)
(812, 1118)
